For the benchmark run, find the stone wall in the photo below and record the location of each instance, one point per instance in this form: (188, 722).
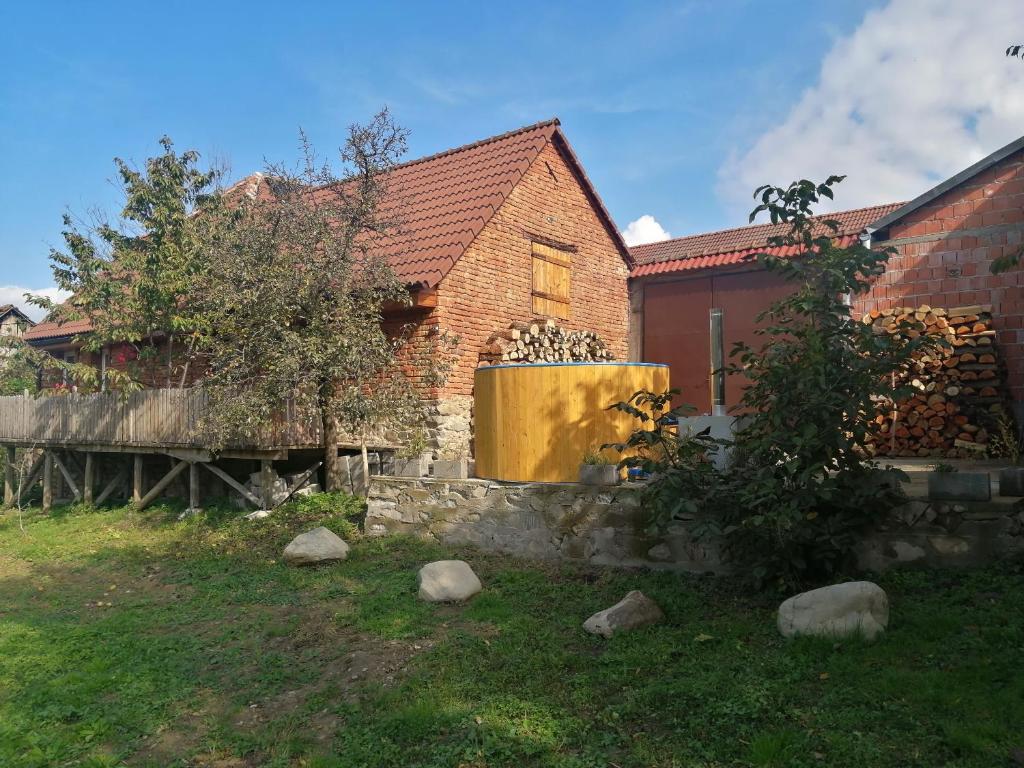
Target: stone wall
(600, 525)
(449, 427)
(606, 526)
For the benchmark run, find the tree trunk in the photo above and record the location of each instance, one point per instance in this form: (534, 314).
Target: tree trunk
(332, 466)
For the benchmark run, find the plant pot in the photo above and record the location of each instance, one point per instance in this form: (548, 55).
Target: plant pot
(1011, 481)
(451, 469)
(959, 486)
(599, 474)
(418, 466)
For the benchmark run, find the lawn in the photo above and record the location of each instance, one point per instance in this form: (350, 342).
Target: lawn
(131, 638)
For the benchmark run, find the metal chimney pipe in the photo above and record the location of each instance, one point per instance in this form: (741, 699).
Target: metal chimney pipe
(717, 364)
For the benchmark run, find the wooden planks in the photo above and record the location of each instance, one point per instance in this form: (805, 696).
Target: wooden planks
(551, 295)
(534, 423)
(163, 418)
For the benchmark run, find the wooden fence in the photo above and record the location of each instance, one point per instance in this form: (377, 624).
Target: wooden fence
(155, 418)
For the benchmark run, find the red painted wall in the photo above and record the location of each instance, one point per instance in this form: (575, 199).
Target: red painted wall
(676, 326)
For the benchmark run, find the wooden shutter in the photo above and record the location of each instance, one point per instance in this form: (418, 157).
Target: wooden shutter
(550, 281)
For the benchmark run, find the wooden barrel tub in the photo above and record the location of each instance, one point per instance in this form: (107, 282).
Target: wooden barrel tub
(536, 422)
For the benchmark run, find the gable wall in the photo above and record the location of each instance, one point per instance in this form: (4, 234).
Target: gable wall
(491, 284)
(945, 250)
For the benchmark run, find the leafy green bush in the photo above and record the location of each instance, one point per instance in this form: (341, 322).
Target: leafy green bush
(800, 489)
(805, 488)
(683, 479)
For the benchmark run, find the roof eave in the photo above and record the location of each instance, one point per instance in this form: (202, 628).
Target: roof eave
(953, 181)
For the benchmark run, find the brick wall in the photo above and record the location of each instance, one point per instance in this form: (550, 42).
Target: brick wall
(491, 284)
(945, 250)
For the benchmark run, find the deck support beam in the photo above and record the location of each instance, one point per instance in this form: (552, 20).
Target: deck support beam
(9, 478)
(115, 481)
(266, 483)
(137, 478)
(232, 483)
(47, 481)
(88, 477)
(68, 477)
(165, 481)
(31, 477)
(193, 486)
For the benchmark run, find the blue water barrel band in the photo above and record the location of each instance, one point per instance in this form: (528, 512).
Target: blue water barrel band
(557, 365)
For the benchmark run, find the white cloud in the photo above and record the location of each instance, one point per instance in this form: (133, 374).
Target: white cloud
(919, 91)
(15, 294)
(646, 229)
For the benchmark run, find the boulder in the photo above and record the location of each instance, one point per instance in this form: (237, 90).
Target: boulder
(447, 581)
(317, 546)
(633, 611)
(840, 610)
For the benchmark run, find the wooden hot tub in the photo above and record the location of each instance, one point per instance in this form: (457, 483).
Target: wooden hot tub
(535, 422)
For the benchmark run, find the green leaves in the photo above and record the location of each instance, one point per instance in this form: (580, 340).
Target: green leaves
(802, 481)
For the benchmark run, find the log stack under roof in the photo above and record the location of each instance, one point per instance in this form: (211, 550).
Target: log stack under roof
(548, 342)
(958, 387)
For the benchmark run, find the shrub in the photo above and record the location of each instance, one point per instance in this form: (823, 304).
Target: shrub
(683, 480)
(804, 486)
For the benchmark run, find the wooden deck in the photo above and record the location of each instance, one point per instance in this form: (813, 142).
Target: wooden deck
(154, 419)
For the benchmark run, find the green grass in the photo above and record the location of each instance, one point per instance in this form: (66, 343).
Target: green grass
(132, 638)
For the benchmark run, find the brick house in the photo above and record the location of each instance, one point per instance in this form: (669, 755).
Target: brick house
(479, 225)
(946, 240)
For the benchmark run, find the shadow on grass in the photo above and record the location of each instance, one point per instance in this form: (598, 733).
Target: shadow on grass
(152, 640)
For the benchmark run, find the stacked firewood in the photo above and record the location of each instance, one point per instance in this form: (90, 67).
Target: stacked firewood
(958, 386)
(547, 342)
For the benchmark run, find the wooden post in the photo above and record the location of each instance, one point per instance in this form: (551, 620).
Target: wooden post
(266, 483)
(47, 481)
(193, 485)
(89, 479)
(137, 479)
(9, 478)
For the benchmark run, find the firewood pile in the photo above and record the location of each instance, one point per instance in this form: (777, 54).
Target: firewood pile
(958, 387)
(543, 343)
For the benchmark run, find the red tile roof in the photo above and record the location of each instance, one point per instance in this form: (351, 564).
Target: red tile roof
(740, 245)
(442, 201)
(52, 330)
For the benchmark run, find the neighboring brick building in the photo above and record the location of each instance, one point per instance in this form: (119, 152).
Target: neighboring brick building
(470, 218)
(677, 285)
(946, 240)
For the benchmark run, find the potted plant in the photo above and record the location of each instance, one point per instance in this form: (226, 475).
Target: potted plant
(946, 483)
(597, 470)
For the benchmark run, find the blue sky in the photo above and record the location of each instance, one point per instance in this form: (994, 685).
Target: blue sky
(670, 106)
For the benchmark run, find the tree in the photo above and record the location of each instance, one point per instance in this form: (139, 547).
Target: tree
(17, 374)
(295, 297)
(804, 485)
(130, 278)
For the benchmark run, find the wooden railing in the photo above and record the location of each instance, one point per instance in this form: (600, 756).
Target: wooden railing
(154, 418)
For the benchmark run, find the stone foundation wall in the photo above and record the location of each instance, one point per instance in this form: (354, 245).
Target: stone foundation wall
(606, 526)
(601, 525)
(449, 427)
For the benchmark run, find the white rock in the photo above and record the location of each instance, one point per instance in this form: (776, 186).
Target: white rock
(317, 546)
(840, 610)
(633, 611)
(447, 581)
(259, 514)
